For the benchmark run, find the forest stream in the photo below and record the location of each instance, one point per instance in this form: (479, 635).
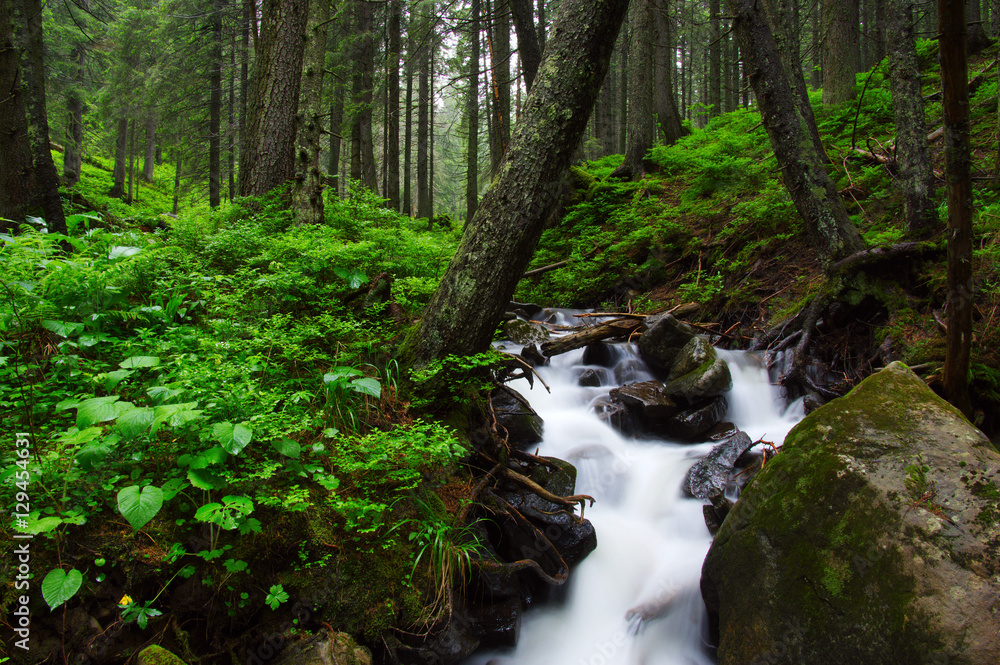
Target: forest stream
(651, 538)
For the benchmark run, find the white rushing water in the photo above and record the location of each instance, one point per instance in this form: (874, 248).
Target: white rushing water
(652, 539)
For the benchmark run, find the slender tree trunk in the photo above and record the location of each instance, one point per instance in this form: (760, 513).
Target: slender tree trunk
(954, 82)
(231, 121)
(472, 118)
(149, 157)
(177, 184)
(912, 152)
(621, 96)
(841, 50)
(464, 311)
(528, 47)
(640, 129)
(73, 159)
(805, 178)
(26, 18)
(976, 37)
(668, 119)
(269, 145)
(121, 157)
(248, 6)
(307, 187)
(430, 141)
(392, 111)
(715, 59)
(423, 120)
(131, 160)
(336, 107)
(411, 56)
(366, 65)
(215, 106)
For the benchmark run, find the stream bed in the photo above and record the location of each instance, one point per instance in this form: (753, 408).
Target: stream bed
(652, 539)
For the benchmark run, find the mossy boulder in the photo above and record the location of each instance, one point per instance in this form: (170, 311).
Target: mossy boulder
(873, 537)
(520, 331)
(157, 655)
(698, 372)
(663, 337)
(325, 649)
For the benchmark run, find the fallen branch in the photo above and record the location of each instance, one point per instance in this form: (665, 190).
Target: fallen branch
(568, 501)
(544, 269)
(617, 328)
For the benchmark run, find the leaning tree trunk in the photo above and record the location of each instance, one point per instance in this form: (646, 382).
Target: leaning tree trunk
(954, 83)
(268, 148)
(913, 154)
(498, 244)
(809, 185)
(639, 135)
(27, 19)
(522, 13)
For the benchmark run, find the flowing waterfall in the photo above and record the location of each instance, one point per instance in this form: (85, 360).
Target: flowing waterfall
(651, 538)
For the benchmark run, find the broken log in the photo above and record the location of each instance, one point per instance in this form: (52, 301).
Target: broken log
(616, 328)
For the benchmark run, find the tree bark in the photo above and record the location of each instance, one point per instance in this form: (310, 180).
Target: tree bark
(26, 18)
(423, 117)
(464, 311)
(527, 39)
(472, 118)
(269, 145)
(668, 118)
(336, 108)
(121, 158)
(715, 59)
(73, 158)
(307, 188)
(17, 195)
(392, 112)
(215, 106)
(976, 38)
(841, 50)
(149, 157)
(805, 177)
(954, 82)
(639, 136)
(912, 152)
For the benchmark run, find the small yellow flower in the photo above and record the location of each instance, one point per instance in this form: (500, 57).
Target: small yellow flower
(126, 600)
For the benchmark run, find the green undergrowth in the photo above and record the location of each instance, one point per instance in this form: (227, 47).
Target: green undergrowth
(214, 406)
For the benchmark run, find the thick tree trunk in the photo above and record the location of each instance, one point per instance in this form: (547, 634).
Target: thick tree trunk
(307, 188)
(528, 47)
(336, 106)
(121, 158)
(464, 311)
(912, 152)
(976, 39)
(392, 111)
(17, 195)
(805, 177)
(26, 18)
(639, 138)
(269, 145)
(954, 82)
(841, 50)
(472, 118)
(668, 118)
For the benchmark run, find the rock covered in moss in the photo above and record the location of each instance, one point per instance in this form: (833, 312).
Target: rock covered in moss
(872, 538)
(663, 337)
(520, 331)
(325, 649)
(698, 372)
(157, 655)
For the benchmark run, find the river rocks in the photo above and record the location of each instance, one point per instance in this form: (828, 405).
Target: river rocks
(157, 655)
(709, 476)
(520, 331)
(647, 408)
(698, 372)
(872, 538)
(324, 649)
(523, 425)
(692, 424)
(589, 378)
(663, 337)
(600, 354)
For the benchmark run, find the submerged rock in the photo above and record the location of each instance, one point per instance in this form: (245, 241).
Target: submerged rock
(872, 538)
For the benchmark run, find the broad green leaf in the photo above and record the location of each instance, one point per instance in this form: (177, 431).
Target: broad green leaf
(174, 415)
(59, 586)
(44, 525)
(215, 455)
(160, 394)
(91, 455)
(173, 487)
(239, 503)
(99, 410)
(139, 506)
(337, 373)
(234, 438)
(367, 386)
(352, 276)
(122, 252)
(139, 361)
(287, 447)
(134, 422)
(215, 513)
(62, 328)
(116, 377)
(76, 437)
(204, 479)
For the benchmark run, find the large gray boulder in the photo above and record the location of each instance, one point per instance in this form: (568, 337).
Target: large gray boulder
(698, 372)
(872, 538)
(663, 337)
